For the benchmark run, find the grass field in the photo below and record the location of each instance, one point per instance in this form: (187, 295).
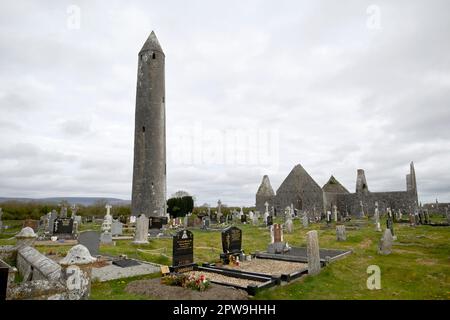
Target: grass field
(418, 268)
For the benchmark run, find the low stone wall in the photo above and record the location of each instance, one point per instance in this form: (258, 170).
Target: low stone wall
(33, 265)
(37, 290)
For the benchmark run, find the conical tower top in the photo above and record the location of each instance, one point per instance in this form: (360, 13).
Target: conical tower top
(152, 44)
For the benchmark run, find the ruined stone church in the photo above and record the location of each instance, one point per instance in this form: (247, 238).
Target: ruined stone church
(300, 191)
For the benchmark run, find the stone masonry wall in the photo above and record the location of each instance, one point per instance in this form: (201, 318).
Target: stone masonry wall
(403, 200)
(32, 264)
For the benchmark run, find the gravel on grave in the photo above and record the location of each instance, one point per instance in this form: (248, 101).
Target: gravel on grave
(225, 279)
(269, 266)
(153, 288)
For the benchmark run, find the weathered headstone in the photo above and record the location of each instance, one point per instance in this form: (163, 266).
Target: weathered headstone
(222, 219)
(53, 217)
(91, 240)
(232, 240)
(385, 245)
(117, 228)
(340, 233)
(313, 252)
(289, 225)
(335, 213)
(305, 220)
(183, 251)
(133, 219)
(33, 224)
(141, 232)
(377, 218)
(76, 272)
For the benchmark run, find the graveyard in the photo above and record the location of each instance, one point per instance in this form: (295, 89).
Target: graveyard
(416, 267)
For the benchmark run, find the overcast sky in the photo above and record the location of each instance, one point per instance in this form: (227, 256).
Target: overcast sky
(252, 88)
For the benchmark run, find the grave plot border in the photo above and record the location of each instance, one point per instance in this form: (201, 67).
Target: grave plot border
(266, 282)
(304, 258)
(286, 277)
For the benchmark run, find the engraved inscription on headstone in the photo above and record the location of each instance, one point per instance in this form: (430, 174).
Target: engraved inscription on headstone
(183, 249)
(63, 226)
(232, 240)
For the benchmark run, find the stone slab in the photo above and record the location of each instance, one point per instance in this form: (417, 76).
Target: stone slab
(112, 272)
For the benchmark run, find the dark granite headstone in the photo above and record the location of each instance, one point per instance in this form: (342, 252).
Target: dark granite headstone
(244, 218)
(222, 219)
(213, 217)
(232, 240)
(269, 220)
(91, 240)
(157, 222)
(63, 226)
(183, 249)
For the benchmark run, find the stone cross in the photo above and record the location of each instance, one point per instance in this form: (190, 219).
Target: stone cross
(241, 213)
(312, 249)
(335, 213)
(108, 209)
(266, 204)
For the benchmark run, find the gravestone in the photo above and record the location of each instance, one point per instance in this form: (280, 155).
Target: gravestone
(313, 252)
(132, 219)
(269, 221)
(377, 218)
(223, 219)
(232, 240)
(390, 225)
(255, 220)
(243, 218)
(305, 220)
(126, 263)
(33, 224)
(289, 225)
(157, 222)
(141, 232)
(213, 217)
(63, 227)
(277, 244)
(51, 224)
(91, 240)
(63, 212)
(340, 233)
(385, 245)
(183, 251)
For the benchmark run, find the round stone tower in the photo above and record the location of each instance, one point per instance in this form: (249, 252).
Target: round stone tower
(149, 171)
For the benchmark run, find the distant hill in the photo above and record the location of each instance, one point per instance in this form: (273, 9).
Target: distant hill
(85, 201)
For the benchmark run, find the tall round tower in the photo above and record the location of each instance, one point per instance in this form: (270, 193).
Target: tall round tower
(149, 170)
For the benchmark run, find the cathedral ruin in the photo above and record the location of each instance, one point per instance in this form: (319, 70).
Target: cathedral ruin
(300, 191)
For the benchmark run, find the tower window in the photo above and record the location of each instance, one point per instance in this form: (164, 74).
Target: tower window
(143, 129)
(153, 56)
(164, 99)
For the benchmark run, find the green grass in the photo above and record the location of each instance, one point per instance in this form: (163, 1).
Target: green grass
(418, 268)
